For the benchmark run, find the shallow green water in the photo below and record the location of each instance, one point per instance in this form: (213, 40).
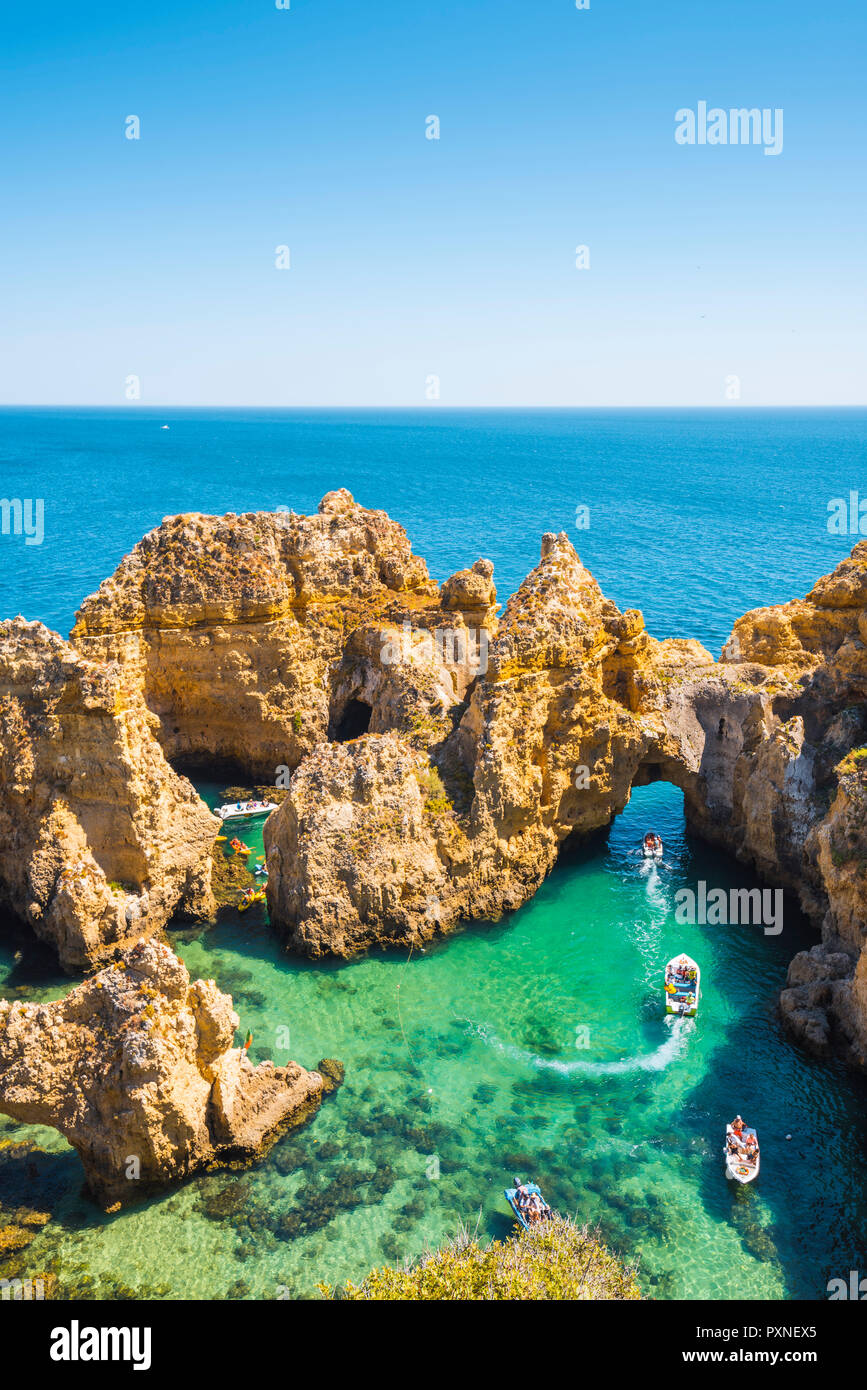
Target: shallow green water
(462, 1062)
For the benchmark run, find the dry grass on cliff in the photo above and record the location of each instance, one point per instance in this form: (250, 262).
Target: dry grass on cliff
(435, 795)
(556, 1261)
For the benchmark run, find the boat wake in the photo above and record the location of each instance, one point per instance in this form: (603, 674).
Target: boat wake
(656, 894)
(679, 1029)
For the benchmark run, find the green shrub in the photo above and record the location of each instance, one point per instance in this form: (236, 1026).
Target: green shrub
(557, 1260)
(432, 789)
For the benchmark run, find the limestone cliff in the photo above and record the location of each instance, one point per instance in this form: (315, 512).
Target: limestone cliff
(230, 625)
(100, 841)
(365, 850)
(442, 755)
(136, 1068)
(808, 786)
(395, 839)
(577, 704)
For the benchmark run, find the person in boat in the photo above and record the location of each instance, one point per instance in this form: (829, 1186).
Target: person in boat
(522, 1196)
(538, 1210)
(738, 1126)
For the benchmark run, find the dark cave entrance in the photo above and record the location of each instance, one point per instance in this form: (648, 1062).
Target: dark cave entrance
(353, 722)
(204, 766)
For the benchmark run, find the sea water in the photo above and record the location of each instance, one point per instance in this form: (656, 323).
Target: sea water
(535, 1047)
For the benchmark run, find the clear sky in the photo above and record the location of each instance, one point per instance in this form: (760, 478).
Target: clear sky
(410, 257)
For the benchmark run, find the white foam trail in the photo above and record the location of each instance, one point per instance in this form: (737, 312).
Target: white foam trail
(656, 895)
(653, 1061)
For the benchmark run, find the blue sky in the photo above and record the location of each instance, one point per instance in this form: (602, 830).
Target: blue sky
(413, 258)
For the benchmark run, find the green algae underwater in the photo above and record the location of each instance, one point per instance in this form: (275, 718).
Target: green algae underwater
(533, 1047)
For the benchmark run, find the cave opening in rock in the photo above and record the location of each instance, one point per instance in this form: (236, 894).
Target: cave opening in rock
(205, 766)
(353, 722)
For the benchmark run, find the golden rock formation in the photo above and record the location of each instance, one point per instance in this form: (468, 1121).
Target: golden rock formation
(442, 754)
(100, 840)
(136, 1068)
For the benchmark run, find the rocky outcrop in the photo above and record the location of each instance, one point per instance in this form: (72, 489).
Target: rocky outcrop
(804, 794)
(575, 706)
(136, 1068)
(396, 838)
(230, 625)
(441, 755)
(100, 841)
(365, 850)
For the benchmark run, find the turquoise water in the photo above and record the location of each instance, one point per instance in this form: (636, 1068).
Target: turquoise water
(462, 1062)
(462, 1068)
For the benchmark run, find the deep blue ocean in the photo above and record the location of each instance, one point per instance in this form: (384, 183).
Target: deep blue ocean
(467, 1054)
(695, 515)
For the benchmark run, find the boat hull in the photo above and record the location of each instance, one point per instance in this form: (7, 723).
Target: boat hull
(737, 1170)
(683, 1000)
(510, 1193)
(228, 813)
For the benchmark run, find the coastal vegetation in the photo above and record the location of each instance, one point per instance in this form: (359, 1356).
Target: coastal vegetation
(556, 1260)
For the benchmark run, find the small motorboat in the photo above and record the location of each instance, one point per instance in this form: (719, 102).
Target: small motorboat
(511, 1195)
(252, 896)
(651, 846)
(682, 986)
(236, 810)
(743, 1164)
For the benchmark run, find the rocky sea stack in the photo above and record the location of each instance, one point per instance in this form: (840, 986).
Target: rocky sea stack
(137, 1070)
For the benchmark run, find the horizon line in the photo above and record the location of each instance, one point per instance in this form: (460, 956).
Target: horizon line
(133, 408)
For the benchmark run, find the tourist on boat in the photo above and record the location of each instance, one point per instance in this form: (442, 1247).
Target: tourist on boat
(537, 1210)
(738, 1126)
(522, 1196)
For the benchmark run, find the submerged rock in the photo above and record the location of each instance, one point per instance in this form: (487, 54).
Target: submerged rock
(136, 1068)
